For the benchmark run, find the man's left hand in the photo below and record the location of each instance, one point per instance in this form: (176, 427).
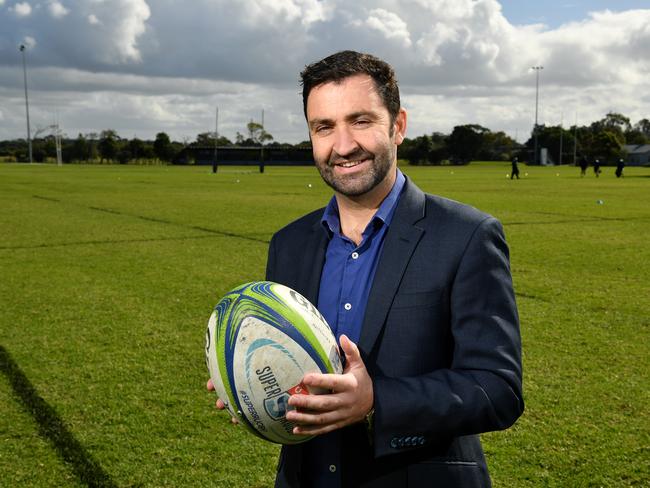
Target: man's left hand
(350, 400)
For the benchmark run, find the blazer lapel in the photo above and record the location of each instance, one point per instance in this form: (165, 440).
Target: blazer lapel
(401, 240)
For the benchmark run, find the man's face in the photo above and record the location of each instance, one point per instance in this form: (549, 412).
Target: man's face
(353, 139)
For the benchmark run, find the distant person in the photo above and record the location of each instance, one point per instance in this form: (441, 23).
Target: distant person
(515, 168)
(597, 168)
(619, 168)
(584, 164)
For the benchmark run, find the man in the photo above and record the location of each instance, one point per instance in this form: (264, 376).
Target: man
(515, 168)
(619, 168)
(416, 288)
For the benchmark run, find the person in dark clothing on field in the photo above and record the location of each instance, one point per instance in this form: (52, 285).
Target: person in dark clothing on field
(619, 168)
(515, 168)
(597, 168)
(584, 164)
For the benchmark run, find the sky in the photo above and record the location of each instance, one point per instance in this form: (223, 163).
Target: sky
(146, 66)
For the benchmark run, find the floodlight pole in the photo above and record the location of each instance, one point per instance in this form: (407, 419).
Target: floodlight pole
(29, 136)
(537, 70)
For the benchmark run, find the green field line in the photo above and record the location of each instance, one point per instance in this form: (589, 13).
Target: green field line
(157, 220)
(107, 242)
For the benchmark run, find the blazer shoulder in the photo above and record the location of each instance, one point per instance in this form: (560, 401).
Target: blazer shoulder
(425, 209)
(450, 212)
(300, 226)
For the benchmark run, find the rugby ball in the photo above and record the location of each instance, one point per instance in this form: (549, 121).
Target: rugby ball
(262, 338)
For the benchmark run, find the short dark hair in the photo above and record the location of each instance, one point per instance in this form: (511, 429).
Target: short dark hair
(344, 64)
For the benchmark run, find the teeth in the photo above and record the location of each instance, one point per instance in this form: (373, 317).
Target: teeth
(350, 164)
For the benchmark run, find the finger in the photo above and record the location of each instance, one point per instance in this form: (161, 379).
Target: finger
(220, 404)
(210, 385)
(331, 382)
(310, 420)
(351, 351)
(315, 403)
(316, 429)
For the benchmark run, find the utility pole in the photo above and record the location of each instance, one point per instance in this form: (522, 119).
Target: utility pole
(575, 141)
(537, 70)
(29, 136)
(561, 132)
(216, 140)
(262, 143)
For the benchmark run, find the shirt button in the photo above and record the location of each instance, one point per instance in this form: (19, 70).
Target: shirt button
(332, 468)
(347, 306)
(355, 255)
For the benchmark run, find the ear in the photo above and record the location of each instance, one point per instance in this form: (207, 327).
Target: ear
(399, 128)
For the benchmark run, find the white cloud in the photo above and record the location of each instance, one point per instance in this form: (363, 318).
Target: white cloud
(458, 61)
(390, 25)
(23, 9)
(57, 10)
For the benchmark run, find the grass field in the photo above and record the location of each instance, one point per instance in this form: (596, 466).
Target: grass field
(108, 275)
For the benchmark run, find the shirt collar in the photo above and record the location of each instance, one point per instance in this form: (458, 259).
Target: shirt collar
(384, 214)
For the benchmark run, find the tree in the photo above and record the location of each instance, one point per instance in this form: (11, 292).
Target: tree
(549, 138)
(136, 148)
(79, 149)
(643, 125)
(207, 139)
(108, 144)
(425, 149)
(608, 144)
(466, 141)
(497, 146)
(257, 134)
(639, 134)
(162, 147)
(617, 121)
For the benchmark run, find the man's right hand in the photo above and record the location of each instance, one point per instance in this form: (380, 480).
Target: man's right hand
(220, 405)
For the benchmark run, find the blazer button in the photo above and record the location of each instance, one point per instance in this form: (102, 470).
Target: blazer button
(393, 443)
(421, 440)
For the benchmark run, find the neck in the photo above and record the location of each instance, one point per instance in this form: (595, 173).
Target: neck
(355, 212)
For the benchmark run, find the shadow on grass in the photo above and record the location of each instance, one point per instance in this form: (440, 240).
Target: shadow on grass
(51, 427)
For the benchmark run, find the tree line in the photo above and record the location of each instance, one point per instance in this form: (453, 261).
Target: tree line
(603, 139)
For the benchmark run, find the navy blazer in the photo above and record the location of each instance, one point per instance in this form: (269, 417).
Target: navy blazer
(440, 340)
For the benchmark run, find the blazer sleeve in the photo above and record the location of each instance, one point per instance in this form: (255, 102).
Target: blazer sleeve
(481, 390)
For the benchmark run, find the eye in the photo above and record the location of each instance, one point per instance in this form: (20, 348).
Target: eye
(322, 129)
(362, 122)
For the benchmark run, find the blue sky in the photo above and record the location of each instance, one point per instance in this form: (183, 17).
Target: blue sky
(554, 13)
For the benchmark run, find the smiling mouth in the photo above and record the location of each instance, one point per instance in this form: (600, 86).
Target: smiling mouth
(350, 164)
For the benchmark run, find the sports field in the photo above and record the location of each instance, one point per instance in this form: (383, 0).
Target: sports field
(108, 275)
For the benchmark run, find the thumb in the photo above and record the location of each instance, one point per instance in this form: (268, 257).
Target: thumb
(351, 351)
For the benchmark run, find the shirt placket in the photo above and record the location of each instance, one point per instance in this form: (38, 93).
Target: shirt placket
(348, 305)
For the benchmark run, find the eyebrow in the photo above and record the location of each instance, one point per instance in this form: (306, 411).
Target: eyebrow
(348, 118)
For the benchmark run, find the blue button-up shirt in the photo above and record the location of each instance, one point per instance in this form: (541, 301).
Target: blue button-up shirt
(345, 284)
(349, 269)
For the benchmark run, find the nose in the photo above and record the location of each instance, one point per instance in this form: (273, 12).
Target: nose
(344, 142)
